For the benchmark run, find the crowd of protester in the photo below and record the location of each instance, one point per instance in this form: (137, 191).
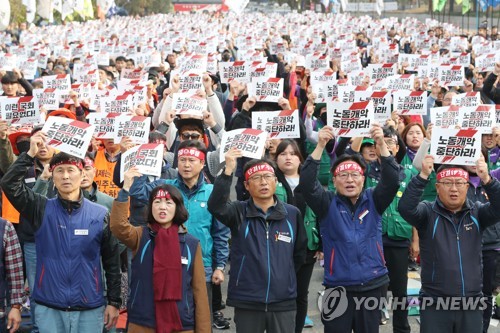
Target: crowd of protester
(95, 247)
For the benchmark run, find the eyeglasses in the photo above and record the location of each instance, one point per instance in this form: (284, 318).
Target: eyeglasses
(190, 136)
(448, 184)
(390, 143)
(268, 177)
(345, 175)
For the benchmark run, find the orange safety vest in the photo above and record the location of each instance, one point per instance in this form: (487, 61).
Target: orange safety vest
(8, 211)
(104, 174)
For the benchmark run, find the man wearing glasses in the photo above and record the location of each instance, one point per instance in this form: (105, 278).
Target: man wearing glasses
(268, 247)
(450, 232)
(351, 230)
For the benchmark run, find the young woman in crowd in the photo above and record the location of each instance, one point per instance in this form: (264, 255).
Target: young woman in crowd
(289, 160)
(168, 290)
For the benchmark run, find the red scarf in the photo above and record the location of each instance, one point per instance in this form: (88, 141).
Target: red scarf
(167, 278)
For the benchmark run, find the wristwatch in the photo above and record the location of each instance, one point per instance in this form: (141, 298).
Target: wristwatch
(221, 268)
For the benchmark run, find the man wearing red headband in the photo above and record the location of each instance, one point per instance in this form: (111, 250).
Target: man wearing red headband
(88, 185)
(267, 249)
(450, 235)
(351, 230)
(73, 242)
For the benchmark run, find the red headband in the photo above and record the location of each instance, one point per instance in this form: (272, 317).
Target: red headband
(453, 172)
(348, 166)
(88, 162)
(191, 152)
(162, 194)
(258, 168)
(77, 164)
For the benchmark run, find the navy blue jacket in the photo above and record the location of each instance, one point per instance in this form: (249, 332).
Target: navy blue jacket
(141, 306)
(450, 243)
(266, 250)
(68, 262)
(352, 234)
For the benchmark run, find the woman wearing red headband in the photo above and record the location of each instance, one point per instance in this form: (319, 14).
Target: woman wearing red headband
(166, 255)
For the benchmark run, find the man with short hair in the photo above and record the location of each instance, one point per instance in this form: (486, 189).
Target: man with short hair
(12, 80)
(88, 185)
(268, 247)
(25, 229)
(351, 230)
(72, 239)
(450, 235)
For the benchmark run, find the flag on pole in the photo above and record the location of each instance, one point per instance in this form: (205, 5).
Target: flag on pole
(4, 14)
(379, 6)
(438, 5)
(465, 6)
(343, 4)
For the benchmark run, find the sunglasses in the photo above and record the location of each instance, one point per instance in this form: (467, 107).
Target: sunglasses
(190, 136)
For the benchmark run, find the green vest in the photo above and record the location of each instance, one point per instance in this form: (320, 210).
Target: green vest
(309, 220)
(324, 164)
(430, 190)
(392, 223)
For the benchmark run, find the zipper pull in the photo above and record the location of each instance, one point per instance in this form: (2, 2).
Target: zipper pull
(458, 238)
(267, 234)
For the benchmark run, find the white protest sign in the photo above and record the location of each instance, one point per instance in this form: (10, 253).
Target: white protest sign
(239, 70)
(129, 84)
(194, 63)
(266, 89)
(134, 74)
(134, 127)
(68, 135)
(189, 83)
(116, 104)
(88, 77)
(451, 75)
(104, 124)
(317, 62)
(20, 110)
(189, 104)
(400, 82)
(350, 119)
(48, 98)
(472, 98)
(249, 140)
(61, 81)
(415, 60)
(8, 61)
(147, 158)
(456, 146)
(279, 124)
(481, 117)
(381, 71)
(486, 62)
(407, 102)
(330, 89)
(460, 59)
(445, 116)
(318, 80)
(28, 67)
(382, 102)
(263, 69)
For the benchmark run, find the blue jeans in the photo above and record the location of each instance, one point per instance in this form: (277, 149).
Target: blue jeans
(30, 260)
(56, 321)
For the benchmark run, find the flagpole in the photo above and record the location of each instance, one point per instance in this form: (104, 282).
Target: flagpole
(449, 11)
(477, 15)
